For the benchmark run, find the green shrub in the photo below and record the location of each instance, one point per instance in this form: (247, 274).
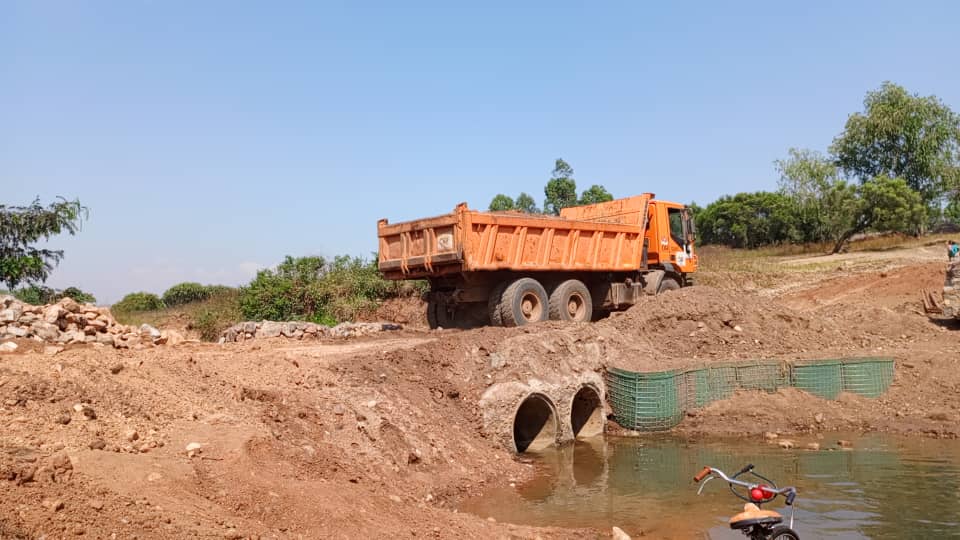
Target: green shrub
(138, 301)
(216, 314)
(77, 295)
(318, 290)
(38, 295)
(184, 293)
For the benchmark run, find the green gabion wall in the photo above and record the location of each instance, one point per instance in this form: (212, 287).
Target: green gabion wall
(657, 401)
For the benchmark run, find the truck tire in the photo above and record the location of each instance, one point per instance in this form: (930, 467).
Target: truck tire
(437, 316)
(524, 301)
(668, 284)
(571, 301)
(494, 302)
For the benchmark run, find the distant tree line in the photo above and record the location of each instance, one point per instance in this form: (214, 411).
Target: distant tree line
(560, 192)
(894, 168)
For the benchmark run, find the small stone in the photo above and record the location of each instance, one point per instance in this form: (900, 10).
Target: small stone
(154, 476)
(338, 409)
(96, 504)
(813, 446)
(371, 404)
(131, 435)
(9, 346)
(618, 534)
(770, 436)
(844, 444)
(63, 419)
(53, 504)
(396, 499)
(785, 444)
(116, 368)
(51, 350)
(144, 448)
(497, 361)
(818, 418)
(98, 444)
(737, 328)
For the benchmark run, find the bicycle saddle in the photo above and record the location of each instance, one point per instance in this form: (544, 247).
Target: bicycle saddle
(753, 515)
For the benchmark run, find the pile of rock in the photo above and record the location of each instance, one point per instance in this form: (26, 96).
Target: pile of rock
(68, 322)
(301, 330)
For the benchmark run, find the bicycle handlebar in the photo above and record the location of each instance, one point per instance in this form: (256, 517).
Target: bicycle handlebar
(789, 492)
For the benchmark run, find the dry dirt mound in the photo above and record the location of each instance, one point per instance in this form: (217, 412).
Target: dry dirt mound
(897, 289)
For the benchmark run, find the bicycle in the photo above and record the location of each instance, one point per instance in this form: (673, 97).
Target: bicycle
(753, 522)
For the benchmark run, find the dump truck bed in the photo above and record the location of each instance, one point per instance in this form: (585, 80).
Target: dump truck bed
(600, 237)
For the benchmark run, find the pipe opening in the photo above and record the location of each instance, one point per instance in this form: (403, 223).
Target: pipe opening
(586, 413)
(535, 424)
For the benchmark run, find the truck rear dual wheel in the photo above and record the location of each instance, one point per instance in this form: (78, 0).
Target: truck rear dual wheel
(571, 301)
(437, 316)
(520, 302)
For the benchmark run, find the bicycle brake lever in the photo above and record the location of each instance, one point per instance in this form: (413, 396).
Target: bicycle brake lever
(704, 483)
(748, 468)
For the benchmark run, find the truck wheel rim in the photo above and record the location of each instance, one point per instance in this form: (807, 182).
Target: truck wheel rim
(531, 307)
(575, 307)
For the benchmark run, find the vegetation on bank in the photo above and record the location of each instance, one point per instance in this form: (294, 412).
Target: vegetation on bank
(299, 288)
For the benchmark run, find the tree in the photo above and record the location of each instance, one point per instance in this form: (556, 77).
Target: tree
(899, 135)
(23, 226)
(748, 220)
(881, 204)
(525, 203)
(884, 204)
(501, 203)
(561, 189)
(807, 177)
(596, 194)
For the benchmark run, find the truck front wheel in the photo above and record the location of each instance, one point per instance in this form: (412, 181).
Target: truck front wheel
(523, 301)
(571, 301)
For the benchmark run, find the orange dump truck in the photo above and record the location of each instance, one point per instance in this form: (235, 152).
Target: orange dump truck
(511, 268)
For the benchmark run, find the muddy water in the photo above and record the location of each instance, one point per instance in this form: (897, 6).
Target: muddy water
(884, 487)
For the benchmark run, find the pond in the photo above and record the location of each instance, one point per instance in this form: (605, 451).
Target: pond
(882, 487)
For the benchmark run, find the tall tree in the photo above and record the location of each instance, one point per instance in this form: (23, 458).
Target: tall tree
(903, 135)
(596, 194)
(561, 189)
(21, 227)
(501, 202)
(808, 177)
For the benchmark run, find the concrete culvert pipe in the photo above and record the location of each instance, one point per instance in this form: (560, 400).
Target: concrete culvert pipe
(535, 424)
(586, 413)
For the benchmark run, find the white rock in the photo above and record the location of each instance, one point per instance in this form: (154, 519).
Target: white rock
(8, 346)
(191, 447)
(618, 534)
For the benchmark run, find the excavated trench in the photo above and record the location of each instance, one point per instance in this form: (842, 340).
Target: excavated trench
(535, 424)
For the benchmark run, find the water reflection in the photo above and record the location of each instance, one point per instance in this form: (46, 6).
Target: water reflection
(885, 487)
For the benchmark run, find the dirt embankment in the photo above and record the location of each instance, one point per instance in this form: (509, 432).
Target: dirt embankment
(378, 437)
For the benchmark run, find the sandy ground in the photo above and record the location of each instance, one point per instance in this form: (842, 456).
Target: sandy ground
(379, 437)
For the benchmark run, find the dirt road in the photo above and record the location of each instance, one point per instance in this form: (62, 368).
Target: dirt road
(379, 437)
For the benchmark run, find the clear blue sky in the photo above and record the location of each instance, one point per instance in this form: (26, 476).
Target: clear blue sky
(211, 138)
